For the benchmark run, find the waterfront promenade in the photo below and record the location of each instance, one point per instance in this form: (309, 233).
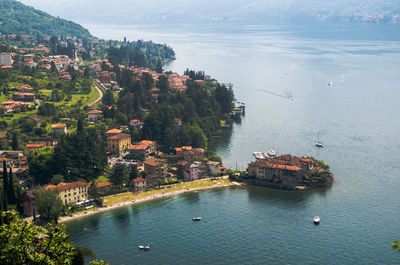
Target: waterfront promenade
(128, 198)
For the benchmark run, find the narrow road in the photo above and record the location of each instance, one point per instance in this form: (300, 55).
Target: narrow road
(97, 85)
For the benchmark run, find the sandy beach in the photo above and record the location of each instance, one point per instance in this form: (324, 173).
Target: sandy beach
(148, 198)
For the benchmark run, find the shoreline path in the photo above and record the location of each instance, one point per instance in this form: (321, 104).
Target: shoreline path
(148, 198)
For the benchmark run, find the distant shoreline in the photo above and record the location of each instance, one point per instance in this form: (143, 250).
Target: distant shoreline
(149, 198)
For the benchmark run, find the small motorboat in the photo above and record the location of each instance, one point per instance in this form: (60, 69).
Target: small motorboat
(196, 218)
(272, 153)
(330, 83)
(319, 144)
(316, 220)
(259, 155)
(144, 247)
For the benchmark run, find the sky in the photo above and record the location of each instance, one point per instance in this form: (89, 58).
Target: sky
(156, 11)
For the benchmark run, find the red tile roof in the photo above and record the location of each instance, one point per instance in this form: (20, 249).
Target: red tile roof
(154, 162)
(95, 112)
(119, 136)
(139, 179)
(66, 186)
(30, 146)
(148, 142)
(103, 184)
(113, 131)
(138, 147)
(58, 126)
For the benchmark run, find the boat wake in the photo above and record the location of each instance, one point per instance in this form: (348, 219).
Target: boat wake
(287, 95)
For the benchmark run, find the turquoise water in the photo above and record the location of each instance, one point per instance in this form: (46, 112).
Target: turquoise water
(357, 119)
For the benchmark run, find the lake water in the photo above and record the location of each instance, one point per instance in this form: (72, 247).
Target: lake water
(357, 118)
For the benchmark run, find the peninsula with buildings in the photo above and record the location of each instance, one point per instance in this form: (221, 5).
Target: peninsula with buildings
(289, 172)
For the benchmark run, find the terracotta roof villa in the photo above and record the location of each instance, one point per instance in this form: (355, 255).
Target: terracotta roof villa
(103, 184)
(66, 186)
(114, 131)
(58, 126)
(95, 112)
(119, 136)
(288, 172)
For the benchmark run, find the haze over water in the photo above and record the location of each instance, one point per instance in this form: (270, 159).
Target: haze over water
(357, 118)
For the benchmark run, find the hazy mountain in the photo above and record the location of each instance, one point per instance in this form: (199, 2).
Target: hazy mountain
(17, 18)
(181, 11)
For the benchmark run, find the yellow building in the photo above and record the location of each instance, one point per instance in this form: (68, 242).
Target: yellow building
(118, 143)
(71, 192)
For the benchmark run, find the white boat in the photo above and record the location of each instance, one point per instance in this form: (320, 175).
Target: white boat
(330, 83)
(144, 247)
(259, 155)
(316, 219)
(318, 143)
(196, 218)
(272, 153)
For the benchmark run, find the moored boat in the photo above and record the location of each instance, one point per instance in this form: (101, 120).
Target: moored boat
(259, 155)
(144, 247)
(316, 220)
(272, 153)
(196, 218)
(319, 144)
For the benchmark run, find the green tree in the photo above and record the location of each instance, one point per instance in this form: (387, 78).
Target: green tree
(5, 186)
(49, 205)
(23, 242)
(396, 245)
(57, 179)
(133, 173)
(197, 136)
(11, 189)
(118, 175)
(14, 141)
(121, 118)
(80, 155)
(99, 262)
(108, 98)
(41, 165)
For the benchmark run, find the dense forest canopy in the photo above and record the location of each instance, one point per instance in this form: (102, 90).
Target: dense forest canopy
(17, 18)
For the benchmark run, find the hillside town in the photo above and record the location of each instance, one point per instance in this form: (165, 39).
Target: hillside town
(37, 117)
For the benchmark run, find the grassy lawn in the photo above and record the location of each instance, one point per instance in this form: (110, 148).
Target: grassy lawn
(129, 196)
(102, 179)
(46, 92)
(86, 99)
(93, 95)
(18, 116)
(4, 97)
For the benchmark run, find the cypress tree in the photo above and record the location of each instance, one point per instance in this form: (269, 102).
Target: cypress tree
(1, 208)
(4, 203)
(11, 191)
(5, 179)
(80, 126)
(14, 141)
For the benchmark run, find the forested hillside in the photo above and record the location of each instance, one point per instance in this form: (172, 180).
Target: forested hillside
(17, 18)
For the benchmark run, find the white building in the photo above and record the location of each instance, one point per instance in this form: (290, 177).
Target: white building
(6, 59)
